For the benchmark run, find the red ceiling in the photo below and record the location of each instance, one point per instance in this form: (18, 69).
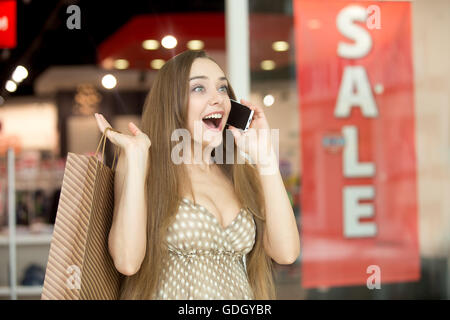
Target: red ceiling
(126, 43)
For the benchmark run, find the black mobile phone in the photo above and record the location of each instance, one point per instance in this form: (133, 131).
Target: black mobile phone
(240, 116)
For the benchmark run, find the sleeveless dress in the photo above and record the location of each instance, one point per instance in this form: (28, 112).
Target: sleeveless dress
(207, 261)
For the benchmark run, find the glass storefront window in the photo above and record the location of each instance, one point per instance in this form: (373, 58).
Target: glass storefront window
(370, 199)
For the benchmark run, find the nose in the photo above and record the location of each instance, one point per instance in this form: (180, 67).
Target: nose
(215, 98)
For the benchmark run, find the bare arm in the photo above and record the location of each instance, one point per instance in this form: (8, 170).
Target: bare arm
(128, 235)
(127, 238)
(281, 239)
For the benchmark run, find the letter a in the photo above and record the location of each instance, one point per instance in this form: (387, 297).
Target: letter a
(374, 281)
(74, 21)
(355, 76)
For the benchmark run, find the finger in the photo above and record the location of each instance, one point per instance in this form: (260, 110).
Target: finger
(252, 105)
(102, 123)
(110, 134)
(99, 122)
(236, 133)
(258, 111)
(138, 133)
(134, 129)
(105, 123)
(247, 104)
(113, 136)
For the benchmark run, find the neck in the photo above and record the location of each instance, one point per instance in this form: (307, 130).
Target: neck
(203, 161)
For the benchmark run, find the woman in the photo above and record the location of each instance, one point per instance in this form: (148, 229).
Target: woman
(175, 232)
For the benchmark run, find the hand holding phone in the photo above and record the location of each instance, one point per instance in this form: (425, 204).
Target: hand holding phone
(240, 116)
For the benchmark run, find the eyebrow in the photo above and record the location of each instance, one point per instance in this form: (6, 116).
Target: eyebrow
(205, 77)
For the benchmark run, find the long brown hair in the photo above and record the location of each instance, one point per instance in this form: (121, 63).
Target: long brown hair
(164, 111)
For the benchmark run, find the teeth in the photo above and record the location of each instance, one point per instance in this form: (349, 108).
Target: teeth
(214, 116)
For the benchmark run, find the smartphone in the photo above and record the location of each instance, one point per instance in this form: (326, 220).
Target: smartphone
(240, 116)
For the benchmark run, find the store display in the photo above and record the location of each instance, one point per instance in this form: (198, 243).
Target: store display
(41, 205)
(79, 265)
(37, 186)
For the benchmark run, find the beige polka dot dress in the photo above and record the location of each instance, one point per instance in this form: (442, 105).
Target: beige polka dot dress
(207, 261)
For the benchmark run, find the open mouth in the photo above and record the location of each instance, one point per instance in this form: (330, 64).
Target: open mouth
(213, 121)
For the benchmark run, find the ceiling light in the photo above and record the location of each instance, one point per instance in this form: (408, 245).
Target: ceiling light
(109, 81)
(121, 64)
(268, 100)
(19, 74)
(150, 44)
(11, 86)
(169, 42)
(195, 44)
(280, 46)
(157, 63)
(268, 65)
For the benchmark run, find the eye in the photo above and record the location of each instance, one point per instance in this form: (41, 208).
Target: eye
(225, 88)
(197, 87)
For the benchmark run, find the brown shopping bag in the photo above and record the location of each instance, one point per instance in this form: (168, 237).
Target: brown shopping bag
(79, 264)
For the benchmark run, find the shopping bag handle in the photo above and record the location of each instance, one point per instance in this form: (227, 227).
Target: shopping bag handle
(103, 138)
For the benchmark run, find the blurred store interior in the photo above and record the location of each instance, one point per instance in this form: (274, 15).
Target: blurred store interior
(55, 78)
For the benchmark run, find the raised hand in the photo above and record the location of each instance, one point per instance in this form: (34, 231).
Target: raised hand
(254, 138)
(137, 141)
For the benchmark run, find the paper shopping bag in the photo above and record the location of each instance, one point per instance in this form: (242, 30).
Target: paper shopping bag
(79, 264)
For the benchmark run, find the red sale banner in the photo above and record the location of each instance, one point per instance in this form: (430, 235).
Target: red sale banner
(7, 24)
(359, 192)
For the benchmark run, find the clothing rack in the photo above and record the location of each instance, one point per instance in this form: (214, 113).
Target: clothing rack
(13, 238)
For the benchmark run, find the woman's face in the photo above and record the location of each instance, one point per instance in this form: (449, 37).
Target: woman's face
(208, 97)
